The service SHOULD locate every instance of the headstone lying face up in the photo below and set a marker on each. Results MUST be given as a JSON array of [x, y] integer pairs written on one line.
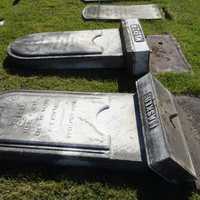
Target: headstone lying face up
[[98, 129], [118, 12], [106, 48], [126, 47]]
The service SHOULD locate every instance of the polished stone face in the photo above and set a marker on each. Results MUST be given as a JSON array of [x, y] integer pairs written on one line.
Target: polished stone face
[[118, 12], [101, 125]]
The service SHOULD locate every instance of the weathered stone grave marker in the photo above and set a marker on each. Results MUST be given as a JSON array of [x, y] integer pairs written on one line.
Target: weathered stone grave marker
[[100, 129], [118, 12], [107, 48]]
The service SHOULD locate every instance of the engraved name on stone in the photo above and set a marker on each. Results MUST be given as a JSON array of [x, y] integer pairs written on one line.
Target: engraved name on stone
[[150, 111], [137, 33]]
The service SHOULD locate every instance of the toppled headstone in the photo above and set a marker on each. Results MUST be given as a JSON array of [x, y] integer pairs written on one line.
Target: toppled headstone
[[106, 48], [118, 130], [119, 12], [125, 48]]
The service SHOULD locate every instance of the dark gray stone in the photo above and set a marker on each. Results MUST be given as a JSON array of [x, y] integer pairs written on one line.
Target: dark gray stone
[[166, 55], [164, 139], [97, 129], [118, 12]]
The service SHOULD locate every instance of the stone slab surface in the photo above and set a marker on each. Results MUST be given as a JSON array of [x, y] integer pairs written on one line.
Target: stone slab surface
[[166, 148], [118, 12], [69, 124], [69, 50], [189, 109], [66, 43], [166, 55]]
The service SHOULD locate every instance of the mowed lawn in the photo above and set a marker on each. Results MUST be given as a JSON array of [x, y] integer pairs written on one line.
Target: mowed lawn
[[46, 182]]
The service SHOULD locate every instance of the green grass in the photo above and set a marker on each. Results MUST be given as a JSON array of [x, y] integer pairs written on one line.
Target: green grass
[[29, 16]]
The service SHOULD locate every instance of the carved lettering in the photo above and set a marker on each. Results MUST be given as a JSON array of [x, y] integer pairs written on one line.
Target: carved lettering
[[150, 111], [137, 33]]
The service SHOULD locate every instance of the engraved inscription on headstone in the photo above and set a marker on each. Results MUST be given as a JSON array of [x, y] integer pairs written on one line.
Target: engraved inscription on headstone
[[107, 130], [162, 130], [118, 12], [106, 48], [46, 119], [137, 33], [81, 124]]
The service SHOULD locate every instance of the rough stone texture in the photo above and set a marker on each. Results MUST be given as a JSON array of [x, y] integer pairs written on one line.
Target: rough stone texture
[[189, 109], [166, 55]]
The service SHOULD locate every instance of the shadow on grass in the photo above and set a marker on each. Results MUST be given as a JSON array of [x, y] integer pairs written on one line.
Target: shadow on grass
[[126, 82], [15, 2], [148, 186]]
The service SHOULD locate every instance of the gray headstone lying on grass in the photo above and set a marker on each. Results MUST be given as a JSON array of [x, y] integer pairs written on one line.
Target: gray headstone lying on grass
[[118, 12], [107, 48], [115, 130]]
